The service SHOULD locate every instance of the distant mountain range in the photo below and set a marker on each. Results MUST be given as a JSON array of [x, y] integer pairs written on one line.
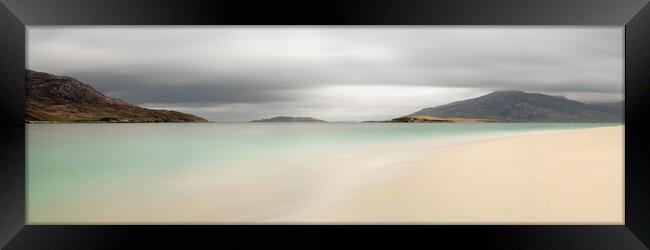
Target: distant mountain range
[[52, 98], [289, 119], [517, 106]]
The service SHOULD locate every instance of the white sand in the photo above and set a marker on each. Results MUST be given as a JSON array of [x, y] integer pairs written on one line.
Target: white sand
[[571, 177], [561, 177]]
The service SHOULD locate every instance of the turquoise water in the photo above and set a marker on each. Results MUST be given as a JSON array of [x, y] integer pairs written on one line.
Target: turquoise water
[[70, 163]]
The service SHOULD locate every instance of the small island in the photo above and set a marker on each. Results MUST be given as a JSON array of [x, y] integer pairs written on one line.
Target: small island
[[289, 119]]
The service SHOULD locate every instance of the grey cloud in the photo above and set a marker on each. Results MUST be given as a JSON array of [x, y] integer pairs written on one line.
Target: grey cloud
[[227, 71], [140, 89]]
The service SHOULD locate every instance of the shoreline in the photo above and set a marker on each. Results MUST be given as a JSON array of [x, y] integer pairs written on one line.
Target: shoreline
[[564, 192], [392, 183]]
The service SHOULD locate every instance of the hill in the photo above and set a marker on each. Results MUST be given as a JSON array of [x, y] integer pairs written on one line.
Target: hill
[[52, 98], [517, 106]]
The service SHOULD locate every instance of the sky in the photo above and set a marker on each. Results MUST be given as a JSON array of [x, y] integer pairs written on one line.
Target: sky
[[231, 74]]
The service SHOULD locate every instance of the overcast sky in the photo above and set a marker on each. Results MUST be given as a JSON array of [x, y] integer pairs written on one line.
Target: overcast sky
[[336, 74]]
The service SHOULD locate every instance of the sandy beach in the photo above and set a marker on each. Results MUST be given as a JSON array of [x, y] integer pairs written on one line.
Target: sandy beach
[[550, 177], [568, 177]]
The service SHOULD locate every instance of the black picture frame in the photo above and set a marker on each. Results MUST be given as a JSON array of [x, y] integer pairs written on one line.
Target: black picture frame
[[633, 14]]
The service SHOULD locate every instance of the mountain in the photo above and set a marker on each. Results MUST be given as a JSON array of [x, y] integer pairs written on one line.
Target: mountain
[[517, 106], [614, 107], [289, 119], [65, 99]]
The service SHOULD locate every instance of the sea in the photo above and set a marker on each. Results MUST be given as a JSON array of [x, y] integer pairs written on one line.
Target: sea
[[140, 173]]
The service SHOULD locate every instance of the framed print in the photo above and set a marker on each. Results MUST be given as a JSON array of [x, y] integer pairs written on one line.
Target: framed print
[[492, 124]]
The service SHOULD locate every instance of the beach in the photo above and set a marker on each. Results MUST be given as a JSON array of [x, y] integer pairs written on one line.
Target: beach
[[557, 176], [567, 177]]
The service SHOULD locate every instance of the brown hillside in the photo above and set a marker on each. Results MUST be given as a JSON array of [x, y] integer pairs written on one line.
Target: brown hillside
[[54, 98]]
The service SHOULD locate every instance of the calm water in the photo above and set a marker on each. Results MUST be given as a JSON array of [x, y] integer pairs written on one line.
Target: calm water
[[69, 164]]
